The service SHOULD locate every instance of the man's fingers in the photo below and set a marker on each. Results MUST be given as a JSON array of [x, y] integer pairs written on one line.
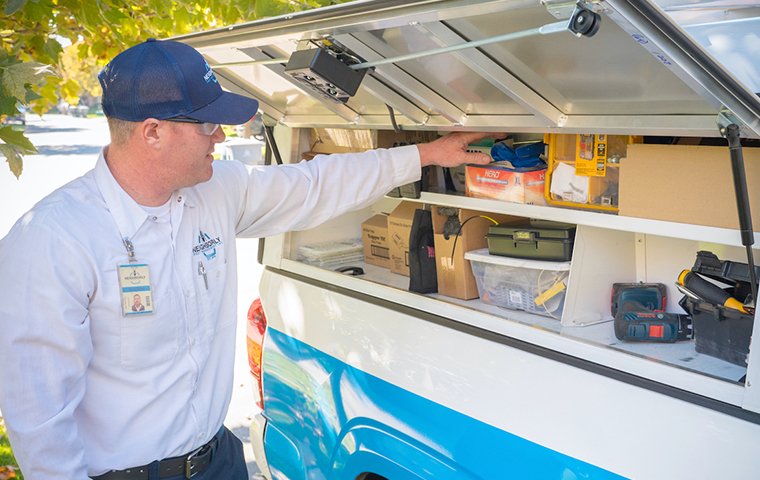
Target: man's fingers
[[450, 150], [477, 157]]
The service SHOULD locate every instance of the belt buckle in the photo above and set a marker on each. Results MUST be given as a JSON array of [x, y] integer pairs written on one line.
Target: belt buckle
[[189, 473]]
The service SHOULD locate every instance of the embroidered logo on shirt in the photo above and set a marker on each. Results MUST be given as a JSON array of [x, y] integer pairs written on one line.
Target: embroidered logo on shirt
[[206, 245]]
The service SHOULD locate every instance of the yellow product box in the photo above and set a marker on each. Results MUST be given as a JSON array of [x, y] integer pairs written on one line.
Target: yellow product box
[[584, 169]]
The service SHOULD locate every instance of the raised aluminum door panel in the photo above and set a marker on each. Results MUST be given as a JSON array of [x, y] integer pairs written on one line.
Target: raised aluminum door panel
[[641, 70]]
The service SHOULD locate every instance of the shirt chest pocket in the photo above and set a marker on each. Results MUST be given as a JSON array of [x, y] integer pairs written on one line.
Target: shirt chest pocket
[[211, 284], [150, 340]]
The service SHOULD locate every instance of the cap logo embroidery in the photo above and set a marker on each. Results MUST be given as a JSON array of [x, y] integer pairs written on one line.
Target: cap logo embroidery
[[209, 76]]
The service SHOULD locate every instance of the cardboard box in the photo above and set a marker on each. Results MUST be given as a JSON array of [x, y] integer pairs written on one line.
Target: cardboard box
[[686, 184], [399, 230], [500, 183], [338, 140], [455, 278], [375, 240]]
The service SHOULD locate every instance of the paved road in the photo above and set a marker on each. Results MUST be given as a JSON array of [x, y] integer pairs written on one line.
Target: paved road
[[68, 147]]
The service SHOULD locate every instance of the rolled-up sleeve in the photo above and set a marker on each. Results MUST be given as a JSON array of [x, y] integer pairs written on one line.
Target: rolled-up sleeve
[[45, 348], [300, 196]]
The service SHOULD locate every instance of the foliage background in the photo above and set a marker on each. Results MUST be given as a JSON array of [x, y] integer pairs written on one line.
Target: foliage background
[[7, 461], [36, 70]]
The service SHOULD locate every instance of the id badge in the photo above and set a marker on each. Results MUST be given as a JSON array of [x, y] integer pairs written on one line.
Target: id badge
[[134, 286]]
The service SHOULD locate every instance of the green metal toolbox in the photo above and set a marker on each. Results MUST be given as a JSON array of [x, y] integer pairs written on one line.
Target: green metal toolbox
[[536, 239]]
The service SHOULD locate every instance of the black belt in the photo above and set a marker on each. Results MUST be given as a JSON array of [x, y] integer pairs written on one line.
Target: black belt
[[188, 465]]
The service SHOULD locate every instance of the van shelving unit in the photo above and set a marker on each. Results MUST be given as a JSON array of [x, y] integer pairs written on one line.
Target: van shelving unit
[[586, 324], [638, 75]]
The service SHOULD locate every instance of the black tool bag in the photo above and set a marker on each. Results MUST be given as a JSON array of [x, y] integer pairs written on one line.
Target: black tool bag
[[719, 331], [422, 274]]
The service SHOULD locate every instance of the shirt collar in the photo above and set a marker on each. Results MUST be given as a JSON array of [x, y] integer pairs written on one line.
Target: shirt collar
[[127, 213], [187, 195]]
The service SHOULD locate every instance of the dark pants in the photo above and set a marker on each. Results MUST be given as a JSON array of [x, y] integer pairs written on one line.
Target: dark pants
[[227, 463]]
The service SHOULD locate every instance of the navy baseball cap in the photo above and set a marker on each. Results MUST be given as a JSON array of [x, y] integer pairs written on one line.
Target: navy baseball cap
[[167, 79]]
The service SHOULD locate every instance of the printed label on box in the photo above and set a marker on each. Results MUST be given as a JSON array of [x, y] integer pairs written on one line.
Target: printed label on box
[[591, 158]]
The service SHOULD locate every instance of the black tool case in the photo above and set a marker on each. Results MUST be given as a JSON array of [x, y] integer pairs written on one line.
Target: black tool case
[[719, 331], [534, 239]]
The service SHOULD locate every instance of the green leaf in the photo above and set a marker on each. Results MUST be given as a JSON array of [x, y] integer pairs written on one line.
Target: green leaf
[[13, 158], [14, 6], [271, 9], [17, 139], [7, 104], [182, 18], [14, 78], [114, 16], [52, 48], [38, 12], [15, 145]]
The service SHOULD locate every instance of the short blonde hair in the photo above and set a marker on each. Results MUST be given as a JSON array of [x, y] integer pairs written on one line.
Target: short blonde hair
[[121, 130]]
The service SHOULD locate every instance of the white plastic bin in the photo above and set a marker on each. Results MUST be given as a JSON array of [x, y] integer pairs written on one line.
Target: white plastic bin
[[515, 283]]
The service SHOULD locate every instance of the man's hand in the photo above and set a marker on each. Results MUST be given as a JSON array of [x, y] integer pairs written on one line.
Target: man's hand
[[451, 150]]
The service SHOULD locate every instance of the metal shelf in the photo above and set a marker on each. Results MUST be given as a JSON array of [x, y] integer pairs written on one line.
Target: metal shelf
[[701, 233]]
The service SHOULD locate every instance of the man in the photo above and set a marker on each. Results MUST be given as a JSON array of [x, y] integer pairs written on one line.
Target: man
[[137, 305], [90, 389]]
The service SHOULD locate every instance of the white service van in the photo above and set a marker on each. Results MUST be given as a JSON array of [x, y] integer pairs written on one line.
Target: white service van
[[362, 379]]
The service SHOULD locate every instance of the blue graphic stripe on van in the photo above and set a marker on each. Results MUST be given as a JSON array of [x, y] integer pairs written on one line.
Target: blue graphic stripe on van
[[330, 420]]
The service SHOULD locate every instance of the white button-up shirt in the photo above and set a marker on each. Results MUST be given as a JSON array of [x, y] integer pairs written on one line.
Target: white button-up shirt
[[85, 389]]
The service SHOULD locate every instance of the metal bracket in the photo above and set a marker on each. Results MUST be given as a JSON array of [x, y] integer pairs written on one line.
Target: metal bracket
[[560, 9], [725, 118], [304, 44], [563, 9]]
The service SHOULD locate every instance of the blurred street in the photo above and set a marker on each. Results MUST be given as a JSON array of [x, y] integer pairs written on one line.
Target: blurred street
[[69, 147]]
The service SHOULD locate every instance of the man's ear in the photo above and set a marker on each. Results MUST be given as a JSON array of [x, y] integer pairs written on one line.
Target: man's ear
[[151, 131]]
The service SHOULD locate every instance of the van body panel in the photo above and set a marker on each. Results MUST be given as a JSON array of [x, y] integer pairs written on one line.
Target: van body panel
[[365, 424], [516, 409]]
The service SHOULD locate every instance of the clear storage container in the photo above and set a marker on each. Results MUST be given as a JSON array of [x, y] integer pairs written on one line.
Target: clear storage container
[[534, 286]]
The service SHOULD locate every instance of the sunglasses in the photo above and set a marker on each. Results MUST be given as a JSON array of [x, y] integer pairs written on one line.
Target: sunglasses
[[205, 128]]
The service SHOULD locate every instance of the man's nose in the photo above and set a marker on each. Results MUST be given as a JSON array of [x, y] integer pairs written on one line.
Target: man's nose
[[219, 135]]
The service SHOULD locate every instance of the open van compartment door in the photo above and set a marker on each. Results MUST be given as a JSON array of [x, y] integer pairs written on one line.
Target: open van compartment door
[[640, 73]]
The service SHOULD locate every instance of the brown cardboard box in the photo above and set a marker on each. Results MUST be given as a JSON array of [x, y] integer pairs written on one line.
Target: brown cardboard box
[[399, 229], [455, 278], [686, 184], [375, 239], [336, 140]]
